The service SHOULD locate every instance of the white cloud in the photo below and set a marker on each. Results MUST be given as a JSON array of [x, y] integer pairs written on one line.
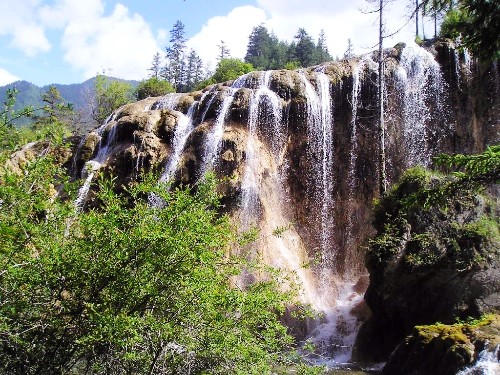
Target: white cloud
[[233, 29], [6, 77], [121, 43], [340, 21], [20, 21]]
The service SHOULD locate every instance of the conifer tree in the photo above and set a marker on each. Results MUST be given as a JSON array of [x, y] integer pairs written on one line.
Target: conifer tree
[[174, 68], [304, 49], [223, 51], [155, 68]]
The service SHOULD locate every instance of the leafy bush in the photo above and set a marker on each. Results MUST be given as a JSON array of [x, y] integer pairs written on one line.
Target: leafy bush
[[153, 87], [129, 288]]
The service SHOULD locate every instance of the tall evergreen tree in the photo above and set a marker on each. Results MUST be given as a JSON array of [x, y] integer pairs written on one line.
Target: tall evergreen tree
[[174, 68], [279, 53], [194, 70], [155, 68], [349, 52], [260, 48], [304, 49], [321, 53], [223, 51]]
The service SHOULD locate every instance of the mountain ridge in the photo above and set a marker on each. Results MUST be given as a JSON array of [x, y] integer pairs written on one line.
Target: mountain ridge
[[77, 94]]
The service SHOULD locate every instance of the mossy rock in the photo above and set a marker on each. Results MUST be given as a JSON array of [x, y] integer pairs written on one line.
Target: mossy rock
[[441, 349]]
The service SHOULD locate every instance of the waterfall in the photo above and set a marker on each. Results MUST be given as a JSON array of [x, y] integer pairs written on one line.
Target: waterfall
[[267, 175], [182, 131], [169, 101], [264, 109], [215, 136], [486, 364], [91, 167], [421, 84], [320, 129]]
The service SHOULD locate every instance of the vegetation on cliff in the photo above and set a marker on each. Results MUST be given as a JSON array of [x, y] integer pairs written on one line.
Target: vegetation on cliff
[[436, 253], [425, 212]]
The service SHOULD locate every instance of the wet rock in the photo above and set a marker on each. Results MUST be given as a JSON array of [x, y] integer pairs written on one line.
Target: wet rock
[[441, 349], [429, 264]]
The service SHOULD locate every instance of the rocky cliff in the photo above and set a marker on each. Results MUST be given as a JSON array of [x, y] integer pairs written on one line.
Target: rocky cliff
[[435, 258], [297, 150]]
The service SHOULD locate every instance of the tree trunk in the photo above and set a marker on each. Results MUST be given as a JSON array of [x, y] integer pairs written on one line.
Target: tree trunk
[[416, 18], [381, 123]]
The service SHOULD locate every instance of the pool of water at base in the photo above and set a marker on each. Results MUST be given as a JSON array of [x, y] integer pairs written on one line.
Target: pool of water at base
[[351, 369]]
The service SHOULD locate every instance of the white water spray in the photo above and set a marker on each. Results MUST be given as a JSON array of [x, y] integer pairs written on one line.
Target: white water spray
[[421, 85], [215, 136]]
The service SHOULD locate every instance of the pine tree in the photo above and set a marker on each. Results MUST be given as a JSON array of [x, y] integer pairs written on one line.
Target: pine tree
[[223, 51], [260, 48], [305, 48], [155, 66], [349, 52], [174, 68], [194, 70], [322, 53]]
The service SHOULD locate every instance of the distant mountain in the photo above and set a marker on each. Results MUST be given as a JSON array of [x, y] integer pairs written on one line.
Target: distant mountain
[[31, 95]]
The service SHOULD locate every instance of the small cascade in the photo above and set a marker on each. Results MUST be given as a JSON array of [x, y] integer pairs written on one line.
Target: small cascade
[[215, 136], [91, 168], [75, 157], [421, 85], [210, 101], [169, 101], [335, 334], [183, 130], [104, 148], [320, 130], [486, 364], [138, 163], [265, 110]]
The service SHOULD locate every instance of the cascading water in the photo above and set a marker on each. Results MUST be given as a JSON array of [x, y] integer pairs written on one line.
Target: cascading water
[[215, 136], [264, 107], [320, 132], [183, 130], [334, 334], [266, 182], [420, 82], [263, 194], [486, 364], [91, 167]]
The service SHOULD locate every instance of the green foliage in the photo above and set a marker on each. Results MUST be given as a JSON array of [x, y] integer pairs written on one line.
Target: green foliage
[[454, 334], [474, 169], [129, 288], [477, 24], [229, 69], [423, 216], [109, 94], [9, 115], [389, 242], [49, 122], [265, 51], [292, 65], [152, 87], [173, 70]]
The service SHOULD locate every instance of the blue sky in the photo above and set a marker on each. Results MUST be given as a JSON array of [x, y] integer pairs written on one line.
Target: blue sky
[[69, 41]]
